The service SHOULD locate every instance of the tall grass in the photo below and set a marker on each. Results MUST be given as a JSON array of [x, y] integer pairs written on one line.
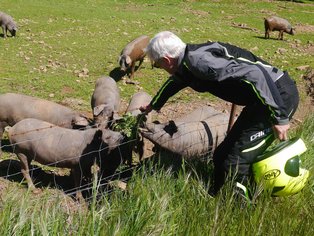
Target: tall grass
[[163, 199]]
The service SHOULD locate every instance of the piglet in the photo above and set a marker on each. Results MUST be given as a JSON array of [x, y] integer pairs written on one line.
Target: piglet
[[43, 142], [275, 23], [137, 101], [105, 101], [133, 52], [7, 24]]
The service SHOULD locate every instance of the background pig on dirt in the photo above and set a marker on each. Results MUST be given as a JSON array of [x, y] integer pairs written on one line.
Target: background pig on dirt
[[194, 135], [133, 52], [105, 101], [15, 107], [7, 24], [275, 23], [52, 145], [138, 100]]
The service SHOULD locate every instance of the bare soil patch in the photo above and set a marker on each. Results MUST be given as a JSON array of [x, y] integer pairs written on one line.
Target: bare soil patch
[[300, 28]]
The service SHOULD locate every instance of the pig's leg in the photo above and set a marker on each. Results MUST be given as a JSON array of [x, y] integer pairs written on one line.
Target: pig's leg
[[1, 134], [4, 29], [139, 149], [77, 176], [25, 171], [139, 65], [132, 70], [267, 34], [3, 124]]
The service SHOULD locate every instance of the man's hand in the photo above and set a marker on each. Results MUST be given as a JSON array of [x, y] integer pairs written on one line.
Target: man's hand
[[281, 131], [146, 109]]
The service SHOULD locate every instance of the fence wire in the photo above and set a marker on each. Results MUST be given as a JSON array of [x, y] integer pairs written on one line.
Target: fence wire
[[102, 182]]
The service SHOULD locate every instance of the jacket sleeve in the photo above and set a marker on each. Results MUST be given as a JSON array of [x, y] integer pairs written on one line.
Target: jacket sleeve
[[168, 89], [268, 93]]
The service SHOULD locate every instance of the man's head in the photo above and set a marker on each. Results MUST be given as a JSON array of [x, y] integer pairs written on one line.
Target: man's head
[[164, 49]]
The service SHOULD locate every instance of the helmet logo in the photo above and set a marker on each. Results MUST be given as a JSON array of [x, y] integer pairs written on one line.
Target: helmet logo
[[272, 174]]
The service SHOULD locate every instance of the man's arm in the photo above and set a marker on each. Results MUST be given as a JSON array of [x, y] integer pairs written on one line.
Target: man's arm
[[168, 89]]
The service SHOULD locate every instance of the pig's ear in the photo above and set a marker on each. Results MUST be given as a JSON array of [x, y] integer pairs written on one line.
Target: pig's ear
[[128, 60], [81, 120], [98, 109]]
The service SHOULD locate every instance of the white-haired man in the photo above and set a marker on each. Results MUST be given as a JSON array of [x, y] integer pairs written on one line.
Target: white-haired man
[[269, 96]]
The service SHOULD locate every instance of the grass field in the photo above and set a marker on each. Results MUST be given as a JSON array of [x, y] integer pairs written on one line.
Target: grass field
[[59, 39]]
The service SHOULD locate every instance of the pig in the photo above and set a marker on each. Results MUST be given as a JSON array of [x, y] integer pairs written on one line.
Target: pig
[[105, 101], [15, 107], [275, 23], [47, 144], [195, 135], [133, 52], [138, 100], [7, 23], [199, 114]]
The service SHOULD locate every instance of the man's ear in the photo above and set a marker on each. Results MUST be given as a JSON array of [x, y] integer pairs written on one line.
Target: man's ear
[[166, 60], [169, 61]]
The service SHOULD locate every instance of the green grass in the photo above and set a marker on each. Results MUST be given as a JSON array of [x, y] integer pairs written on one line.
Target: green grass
[[56, 38], [77, 34]]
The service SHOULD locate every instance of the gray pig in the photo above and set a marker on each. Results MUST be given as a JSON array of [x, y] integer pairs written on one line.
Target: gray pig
[[275, 23], [105, 101], [138, 100], [199, 114], [7, 23], [15, 107], [190, 137], [36, 140], [133, 52]]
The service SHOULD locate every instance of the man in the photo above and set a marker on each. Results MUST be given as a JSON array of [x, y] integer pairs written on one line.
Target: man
[[269, 96]]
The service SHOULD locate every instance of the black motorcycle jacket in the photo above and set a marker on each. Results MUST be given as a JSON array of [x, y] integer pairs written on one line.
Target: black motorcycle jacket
[[228, 72]]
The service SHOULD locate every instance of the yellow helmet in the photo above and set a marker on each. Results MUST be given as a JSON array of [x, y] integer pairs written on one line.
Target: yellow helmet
[[279, 169]]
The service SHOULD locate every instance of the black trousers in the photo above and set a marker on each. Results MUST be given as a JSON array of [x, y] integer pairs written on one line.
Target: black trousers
[[250, 136]]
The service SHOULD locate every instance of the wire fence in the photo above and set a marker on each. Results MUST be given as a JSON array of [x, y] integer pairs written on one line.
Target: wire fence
[[42, 134]]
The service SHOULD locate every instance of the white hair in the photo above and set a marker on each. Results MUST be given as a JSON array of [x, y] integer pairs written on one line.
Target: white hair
[[165, 44]]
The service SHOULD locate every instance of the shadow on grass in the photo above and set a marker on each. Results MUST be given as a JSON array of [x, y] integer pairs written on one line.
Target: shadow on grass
[[200, 168], [8, 36], [6, 146], [270, 38], [11, 170], [117, 74]]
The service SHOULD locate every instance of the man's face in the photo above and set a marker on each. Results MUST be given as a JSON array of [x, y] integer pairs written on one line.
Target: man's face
[[167, 63]]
